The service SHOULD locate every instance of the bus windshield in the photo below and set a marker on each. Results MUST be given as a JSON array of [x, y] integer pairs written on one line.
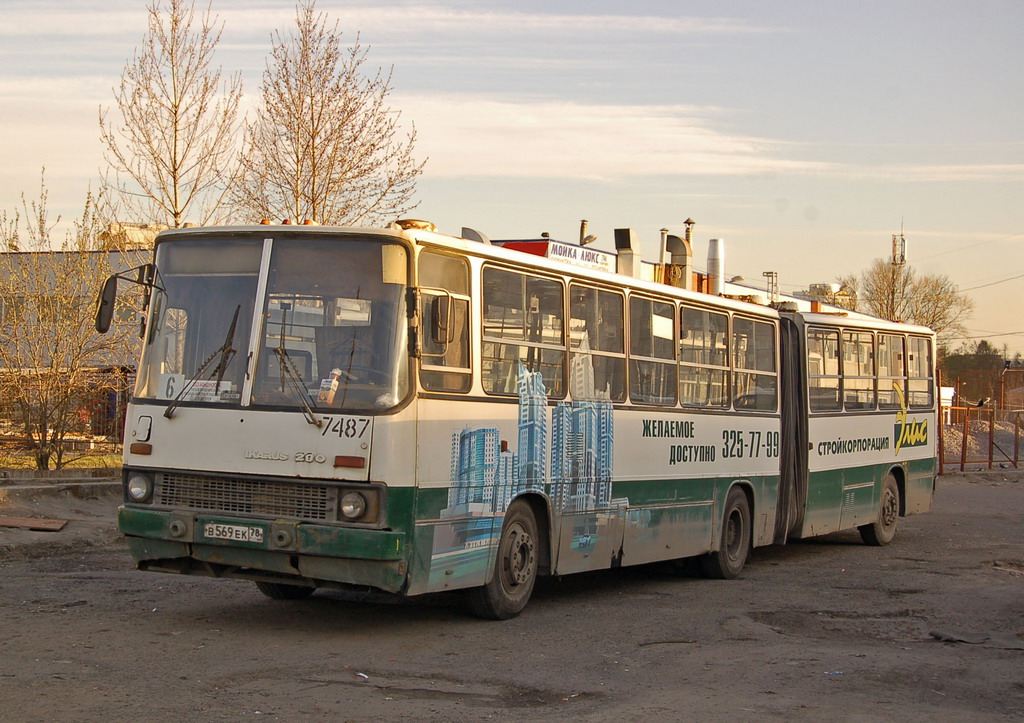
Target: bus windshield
[[331, 330], [334, 326]]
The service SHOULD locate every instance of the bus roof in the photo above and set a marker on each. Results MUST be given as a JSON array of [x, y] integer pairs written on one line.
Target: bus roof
[[527, 253], [514, 255], [860, 321], [519, 257]]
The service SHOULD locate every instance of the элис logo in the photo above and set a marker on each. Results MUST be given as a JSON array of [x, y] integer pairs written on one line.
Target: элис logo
[[907, 432]]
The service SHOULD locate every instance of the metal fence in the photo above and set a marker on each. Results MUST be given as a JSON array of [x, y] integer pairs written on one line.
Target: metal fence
[[94, 428], [997, 388], [978, 438], [984, 426]]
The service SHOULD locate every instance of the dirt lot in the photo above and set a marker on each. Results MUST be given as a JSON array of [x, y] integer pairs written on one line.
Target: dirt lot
[[829, 629]]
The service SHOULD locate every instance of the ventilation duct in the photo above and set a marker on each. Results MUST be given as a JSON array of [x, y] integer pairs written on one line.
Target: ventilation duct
[[628, 261]]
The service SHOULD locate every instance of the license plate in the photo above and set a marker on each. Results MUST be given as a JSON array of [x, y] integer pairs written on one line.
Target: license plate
[[237, 533]]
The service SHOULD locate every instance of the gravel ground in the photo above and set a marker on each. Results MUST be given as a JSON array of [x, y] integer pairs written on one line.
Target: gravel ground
[[929, 628]]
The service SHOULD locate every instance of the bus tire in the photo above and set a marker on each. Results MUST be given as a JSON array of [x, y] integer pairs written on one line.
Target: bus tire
[[882, 531], [515, 570], [281, 591], [728, 560]]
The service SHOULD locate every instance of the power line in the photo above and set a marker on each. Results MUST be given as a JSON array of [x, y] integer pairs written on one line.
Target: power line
[[986, 336], [970, 246], [943, 253], [993, 283]]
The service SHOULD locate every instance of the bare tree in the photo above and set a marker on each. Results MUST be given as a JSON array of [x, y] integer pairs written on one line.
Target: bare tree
[[324, 145], [938, 303], [57, 374], [173, 150], [897, 292], [885, 290]]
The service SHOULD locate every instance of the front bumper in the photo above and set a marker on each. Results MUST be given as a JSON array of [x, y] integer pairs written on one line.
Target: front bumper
[[286, 551]]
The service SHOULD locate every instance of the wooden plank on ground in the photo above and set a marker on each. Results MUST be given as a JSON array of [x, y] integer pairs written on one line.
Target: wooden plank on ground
[[40, 524]]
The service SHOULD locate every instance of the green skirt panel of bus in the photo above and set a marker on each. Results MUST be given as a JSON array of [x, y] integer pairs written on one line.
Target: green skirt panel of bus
[[845, 498], [455, 545]]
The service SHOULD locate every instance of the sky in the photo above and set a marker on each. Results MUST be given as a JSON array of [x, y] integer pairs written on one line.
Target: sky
[[804, 134]]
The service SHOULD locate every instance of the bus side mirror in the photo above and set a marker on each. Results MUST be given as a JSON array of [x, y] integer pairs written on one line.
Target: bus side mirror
[[105, 304], [441, 330]]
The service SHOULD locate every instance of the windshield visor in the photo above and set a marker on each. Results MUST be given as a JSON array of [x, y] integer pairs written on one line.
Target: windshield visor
[[197, 338], [333, 334]]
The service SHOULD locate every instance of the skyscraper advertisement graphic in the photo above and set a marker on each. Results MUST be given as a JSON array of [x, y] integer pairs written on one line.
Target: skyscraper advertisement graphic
[[575, 471], [533, 430]]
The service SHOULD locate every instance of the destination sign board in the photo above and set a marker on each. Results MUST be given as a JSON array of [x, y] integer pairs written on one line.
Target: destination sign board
[[569, 253]]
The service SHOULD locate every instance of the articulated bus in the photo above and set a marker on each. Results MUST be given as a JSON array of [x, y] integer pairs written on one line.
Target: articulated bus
[[411, 412]]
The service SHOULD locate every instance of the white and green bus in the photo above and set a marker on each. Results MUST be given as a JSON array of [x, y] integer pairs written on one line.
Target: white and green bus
[[412, 412]]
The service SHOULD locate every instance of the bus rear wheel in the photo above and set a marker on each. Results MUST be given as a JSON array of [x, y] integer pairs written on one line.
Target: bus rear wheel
[[728, 560], [281, 591], [515, 570], [883, 530]]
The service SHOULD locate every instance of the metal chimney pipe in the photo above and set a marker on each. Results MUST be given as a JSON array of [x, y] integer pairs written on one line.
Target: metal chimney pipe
[[716, 265]]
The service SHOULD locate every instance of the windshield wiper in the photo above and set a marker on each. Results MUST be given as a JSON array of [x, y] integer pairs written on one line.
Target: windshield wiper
[[294, 384], [290, 376], [223, 356]]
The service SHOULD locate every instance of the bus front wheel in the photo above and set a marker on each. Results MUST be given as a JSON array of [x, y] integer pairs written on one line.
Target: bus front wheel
[[728, 560], [515, 570], [883, 530], [280, 591]]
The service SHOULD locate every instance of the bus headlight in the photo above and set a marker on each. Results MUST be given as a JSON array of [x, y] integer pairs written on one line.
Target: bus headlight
[[139, 487], [353, 505]]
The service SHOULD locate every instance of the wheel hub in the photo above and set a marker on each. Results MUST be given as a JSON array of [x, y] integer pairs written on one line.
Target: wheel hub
[[518, 562], [889, 511], [732, 534]]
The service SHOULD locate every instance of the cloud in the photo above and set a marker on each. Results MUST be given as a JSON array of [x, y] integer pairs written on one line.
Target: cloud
[[71, 19], [469, 136], [54, 91], [430, 19], [950, 173], [397, 21], [50, 122]]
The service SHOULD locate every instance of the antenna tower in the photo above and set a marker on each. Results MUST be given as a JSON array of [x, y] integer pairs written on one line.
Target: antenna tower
[[772, 285], [899, 248]]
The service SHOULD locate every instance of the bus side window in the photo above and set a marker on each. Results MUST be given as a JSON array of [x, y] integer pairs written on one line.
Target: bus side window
[[858, 370], [523, 325], [444, 362], [652, 364], [823, 370], [891, 370], [920, 384], [597, 365], [703, 358], [755, 381]]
